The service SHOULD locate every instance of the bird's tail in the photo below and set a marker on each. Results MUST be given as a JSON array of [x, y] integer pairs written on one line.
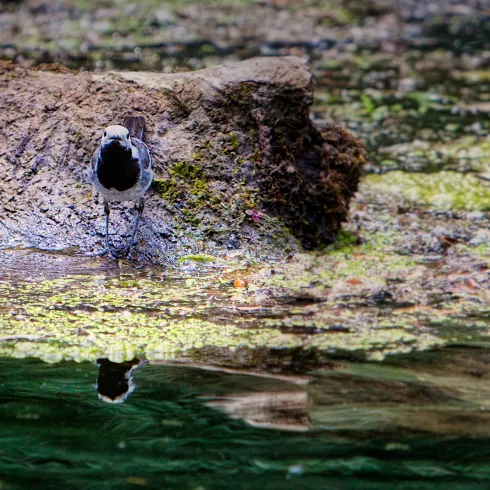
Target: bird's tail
[[136, 126]]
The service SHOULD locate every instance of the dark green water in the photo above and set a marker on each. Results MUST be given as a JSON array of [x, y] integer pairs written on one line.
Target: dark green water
[[385, 427]]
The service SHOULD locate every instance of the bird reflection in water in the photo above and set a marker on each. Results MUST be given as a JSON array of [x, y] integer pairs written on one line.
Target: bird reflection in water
[[115, 380]]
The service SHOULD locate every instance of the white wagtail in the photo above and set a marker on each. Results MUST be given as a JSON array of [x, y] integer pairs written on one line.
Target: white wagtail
[[121, 170]]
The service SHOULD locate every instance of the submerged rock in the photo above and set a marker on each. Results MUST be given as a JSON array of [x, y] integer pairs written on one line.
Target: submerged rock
[[234, 149]]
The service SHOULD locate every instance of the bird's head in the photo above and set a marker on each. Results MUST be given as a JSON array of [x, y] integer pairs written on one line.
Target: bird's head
[[116, 134]]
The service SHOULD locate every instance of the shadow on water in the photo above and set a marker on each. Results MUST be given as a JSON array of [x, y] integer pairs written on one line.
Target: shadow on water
[[410, 423]]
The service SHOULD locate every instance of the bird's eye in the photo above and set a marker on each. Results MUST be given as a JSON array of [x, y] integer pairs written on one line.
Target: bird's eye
[[105, 133]]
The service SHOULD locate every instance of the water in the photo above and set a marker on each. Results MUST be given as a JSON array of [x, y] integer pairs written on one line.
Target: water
[[172, 390], [406, 425]]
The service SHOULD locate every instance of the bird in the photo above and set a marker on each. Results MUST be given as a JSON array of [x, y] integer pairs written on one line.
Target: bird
[[121, 170]]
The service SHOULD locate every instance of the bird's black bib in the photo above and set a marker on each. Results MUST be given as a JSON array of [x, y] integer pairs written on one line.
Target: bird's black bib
[[116, 169]]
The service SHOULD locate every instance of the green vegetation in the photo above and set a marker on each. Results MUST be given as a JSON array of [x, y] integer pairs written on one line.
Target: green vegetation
[[447, 190], [198, 258]]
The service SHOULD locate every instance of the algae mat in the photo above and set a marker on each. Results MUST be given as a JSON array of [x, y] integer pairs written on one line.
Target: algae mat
[[208, 314], [370, 299]]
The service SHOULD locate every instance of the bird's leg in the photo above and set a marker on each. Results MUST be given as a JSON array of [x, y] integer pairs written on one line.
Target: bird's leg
[[140, 205], [108, 249], [107, 212]]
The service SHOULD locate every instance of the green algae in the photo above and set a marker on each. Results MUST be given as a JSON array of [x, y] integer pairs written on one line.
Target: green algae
[[374, 261], [373, 286], [185, 170], [198, 258], [360, 296], [83, 318], [168, 189], [445, 189], [234, 141], [187, 181]]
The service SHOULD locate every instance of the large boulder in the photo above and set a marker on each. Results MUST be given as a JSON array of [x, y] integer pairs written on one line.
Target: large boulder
[[238, 162]]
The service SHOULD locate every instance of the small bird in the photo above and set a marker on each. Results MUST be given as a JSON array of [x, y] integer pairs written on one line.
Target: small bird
[[121, 170]]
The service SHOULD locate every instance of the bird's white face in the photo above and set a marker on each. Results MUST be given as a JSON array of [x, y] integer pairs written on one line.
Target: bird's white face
[[116, 133]]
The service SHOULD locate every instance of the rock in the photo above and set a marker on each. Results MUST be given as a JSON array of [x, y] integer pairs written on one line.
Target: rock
[[481, 237], [235, 153]]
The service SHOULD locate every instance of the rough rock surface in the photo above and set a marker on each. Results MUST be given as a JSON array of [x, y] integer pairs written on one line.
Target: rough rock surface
[[238, 161]]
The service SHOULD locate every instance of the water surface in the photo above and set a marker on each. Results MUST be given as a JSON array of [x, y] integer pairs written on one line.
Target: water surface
[[410, 424]]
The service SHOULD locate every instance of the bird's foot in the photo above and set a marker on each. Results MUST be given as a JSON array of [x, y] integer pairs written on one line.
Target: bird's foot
[[122, 251], [115, 252]]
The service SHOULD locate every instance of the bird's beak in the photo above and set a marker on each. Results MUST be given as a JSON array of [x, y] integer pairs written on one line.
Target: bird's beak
[[115, 139]]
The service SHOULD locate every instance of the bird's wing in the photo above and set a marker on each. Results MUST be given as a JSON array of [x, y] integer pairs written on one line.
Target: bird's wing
[[95, 157], [144, 153], [136, 126]]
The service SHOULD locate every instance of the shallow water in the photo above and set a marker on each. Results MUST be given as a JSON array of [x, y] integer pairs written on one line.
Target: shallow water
[[184, 381], [409, 424]]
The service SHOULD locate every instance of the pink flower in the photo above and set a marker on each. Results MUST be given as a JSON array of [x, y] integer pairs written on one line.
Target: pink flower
[[254, 214]]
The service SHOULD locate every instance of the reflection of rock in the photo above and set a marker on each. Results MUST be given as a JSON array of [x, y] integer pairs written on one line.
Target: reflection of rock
[[286, 411], [115, 382]]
